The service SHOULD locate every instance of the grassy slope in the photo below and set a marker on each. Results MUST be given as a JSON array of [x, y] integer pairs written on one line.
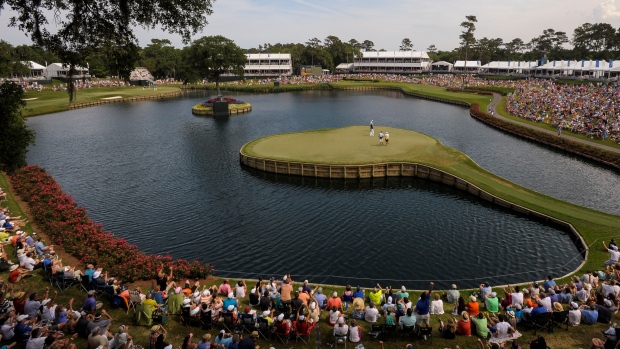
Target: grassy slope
[[49, 101]]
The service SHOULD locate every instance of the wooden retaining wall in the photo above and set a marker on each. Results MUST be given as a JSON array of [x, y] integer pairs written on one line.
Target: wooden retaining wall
[[128, 99], [407, 169], [230, 111]]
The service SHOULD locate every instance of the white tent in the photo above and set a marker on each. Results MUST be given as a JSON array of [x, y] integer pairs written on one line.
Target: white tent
[[470, 66], [442, 66], [61, 70]]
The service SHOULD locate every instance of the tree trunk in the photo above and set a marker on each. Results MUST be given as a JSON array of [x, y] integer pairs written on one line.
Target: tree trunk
[[217, 87], [70, 84]]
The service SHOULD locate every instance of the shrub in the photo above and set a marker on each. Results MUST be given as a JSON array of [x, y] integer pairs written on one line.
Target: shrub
[[69, 226]]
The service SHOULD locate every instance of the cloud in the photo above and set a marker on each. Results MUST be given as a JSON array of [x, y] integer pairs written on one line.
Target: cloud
[[606, 10]]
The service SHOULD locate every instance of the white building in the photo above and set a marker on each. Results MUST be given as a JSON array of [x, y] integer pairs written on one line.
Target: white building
[[509, 67], [37, 71], [268, 64], [344, 68], [442, 67], [467, 66], [61, 71], [392, 62]]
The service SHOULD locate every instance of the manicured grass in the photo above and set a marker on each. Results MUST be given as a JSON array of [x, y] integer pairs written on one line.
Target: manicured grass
[[48, 101], [352, 145]]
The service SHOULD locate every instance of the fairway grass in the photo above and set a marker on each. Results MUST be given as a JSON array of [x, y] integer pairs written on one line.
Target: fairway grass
[[48, 101], [353, 146]]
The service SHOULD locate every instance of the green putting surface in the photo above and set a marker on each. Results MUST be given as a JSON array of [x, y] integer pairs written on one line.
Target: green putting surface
[[351, 145]]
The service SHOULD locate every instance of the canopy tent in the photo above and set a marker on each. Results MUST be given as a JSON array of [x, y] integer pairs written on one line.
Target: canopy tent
[[470, 66], [442, 66]]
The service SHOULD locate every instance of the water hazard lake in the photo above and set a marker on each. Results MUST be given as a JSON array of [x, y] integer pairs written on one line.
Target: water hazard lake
[[170, 182]]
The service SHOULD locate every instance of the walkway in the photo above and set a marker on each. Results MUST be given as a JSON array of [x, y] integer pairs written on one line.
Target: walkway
[[497, 98]]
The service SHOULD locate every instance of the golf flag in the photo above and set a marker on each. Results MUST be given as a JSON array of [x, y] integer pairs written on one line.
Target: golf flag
[[519, 64]]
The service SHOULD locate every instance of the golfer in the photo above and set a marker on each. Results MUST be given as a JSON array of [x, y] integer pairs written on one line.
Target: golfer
[[380, 137], [372, 129]]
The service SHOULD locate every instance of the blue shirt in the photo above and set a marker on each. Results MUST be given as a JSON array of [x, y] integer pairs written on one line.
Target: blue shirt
[[204, 345], [230, 301], [423, 306], [224, 340], [61, 318], [90, 304], [39, 246], [357, 294], [89, 273], [538, 310], [22, 331], [548, 284], [320, 298], [589, 316], [157, 297]]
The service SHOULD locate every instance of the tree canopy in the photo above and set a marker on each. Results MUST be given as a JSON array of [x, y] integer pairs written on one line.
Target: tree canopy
[[15, 134], [213, 56]]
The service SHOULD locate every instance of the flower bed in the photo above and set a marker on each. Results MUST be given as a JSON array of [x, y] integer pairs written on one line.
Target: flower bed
[[69, 226]]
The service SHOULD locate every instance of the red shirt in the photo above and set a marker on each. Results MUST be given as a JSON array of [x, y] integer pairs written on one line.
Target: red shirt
[[14, 275], [464, 328]]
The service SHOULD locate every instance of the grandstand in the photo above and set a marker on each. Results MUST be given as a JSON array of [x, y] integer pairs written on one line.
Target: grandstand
[[60, 71], [509, 67], [392, 62], [141, 77], [268, 65], [467, 66]]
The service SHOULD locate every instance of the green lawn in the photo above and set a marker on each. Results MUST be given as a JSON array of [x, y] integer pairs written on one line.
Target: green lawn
[[49, 101]]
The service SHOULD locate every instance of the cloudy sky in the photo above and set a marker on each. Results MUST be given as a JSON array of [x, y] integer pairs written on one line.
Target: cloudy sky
[[253, 22]]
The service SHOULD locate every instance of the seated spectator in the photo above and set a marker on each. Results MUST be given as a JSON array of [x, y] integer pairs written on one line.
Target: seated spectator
[[390, 318], [549, 284], [565, 297], [22, 328], [334, 314], [254, 297], [283, 326], [97, 321], [358, 308], [149, 301], [359, 293], [341, 329], [472, 306], [335, 301], [319, 297], [448, 331], [90, 303], [240, 289], [453, 295], [224, 288], [347, 297], [481, 324], [157, 295], [355, 332], [464, 325], [303, 324], [223, 339], [402, 293], [437, 305], [42, 249], [17, 274], [376, 295], [604, 313], [388, 304], [504, 330], [408, 320], [545, 301], [589, 313], [461, 306], [306, 288], [492, 302], [372, 313], [230, 300], [96, 339], [485, 289], [30, 263], [33, 304], [314, 312]]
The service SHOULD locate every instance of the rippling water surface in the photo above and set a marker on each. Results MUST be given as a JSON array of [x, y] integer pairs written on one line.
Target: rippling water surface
[[170, 182]]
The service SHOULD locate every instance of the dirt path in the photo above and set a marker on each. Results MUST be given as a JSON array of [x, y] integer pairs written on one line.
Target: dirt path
[[497, 98]]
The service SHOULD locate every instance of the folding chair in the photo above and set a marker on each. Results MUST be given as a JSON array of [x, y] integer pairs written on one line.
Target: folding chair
[[389, 330], [426, 333], [283, 332], [247, 323], [85, 284], [206, 320], [230, 325], [264, 329], [117, 302], [407, 331], [187, 319], [341, 339], [560, 319], [302, 331], [539, 322], [376, 331], [134, 299], [144, 315], [174, 303]]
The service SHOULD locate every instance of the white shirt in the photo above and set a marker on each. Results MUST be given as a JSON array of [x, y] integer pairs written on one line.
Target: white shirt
[[341, 331], [574, 317], [239, 292], [547, 303], [371, 314], [437, 307], [517, 298], [36, 343], [614, 254], [502, 329], [354, 334], [29, 263]]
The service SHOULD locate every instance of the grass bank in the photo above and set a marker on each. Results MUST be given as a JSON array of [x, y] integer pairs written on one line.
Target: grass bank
[[48, 101]]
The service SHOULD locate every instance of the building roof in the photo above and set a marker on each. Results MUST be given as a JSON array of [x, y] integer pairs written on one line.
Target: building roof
[[442, 63], [470, 64], [345, 66], [505, 65], [64, 66], [33, 65], [268, 55], [394, 54]]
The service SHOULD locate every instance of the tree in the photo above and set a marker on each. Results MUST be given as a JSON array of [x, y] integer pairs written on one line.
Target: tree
[[431, 49], [467, 35], [161, 58], [17, 136], [77, 28], [214, 56], [406, 45], [367, 45], [9, 61], [594, 37]]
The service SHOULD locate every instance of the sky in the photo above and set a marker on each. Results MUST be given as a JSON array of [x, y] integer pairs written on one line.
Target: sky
[[250, 23]]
